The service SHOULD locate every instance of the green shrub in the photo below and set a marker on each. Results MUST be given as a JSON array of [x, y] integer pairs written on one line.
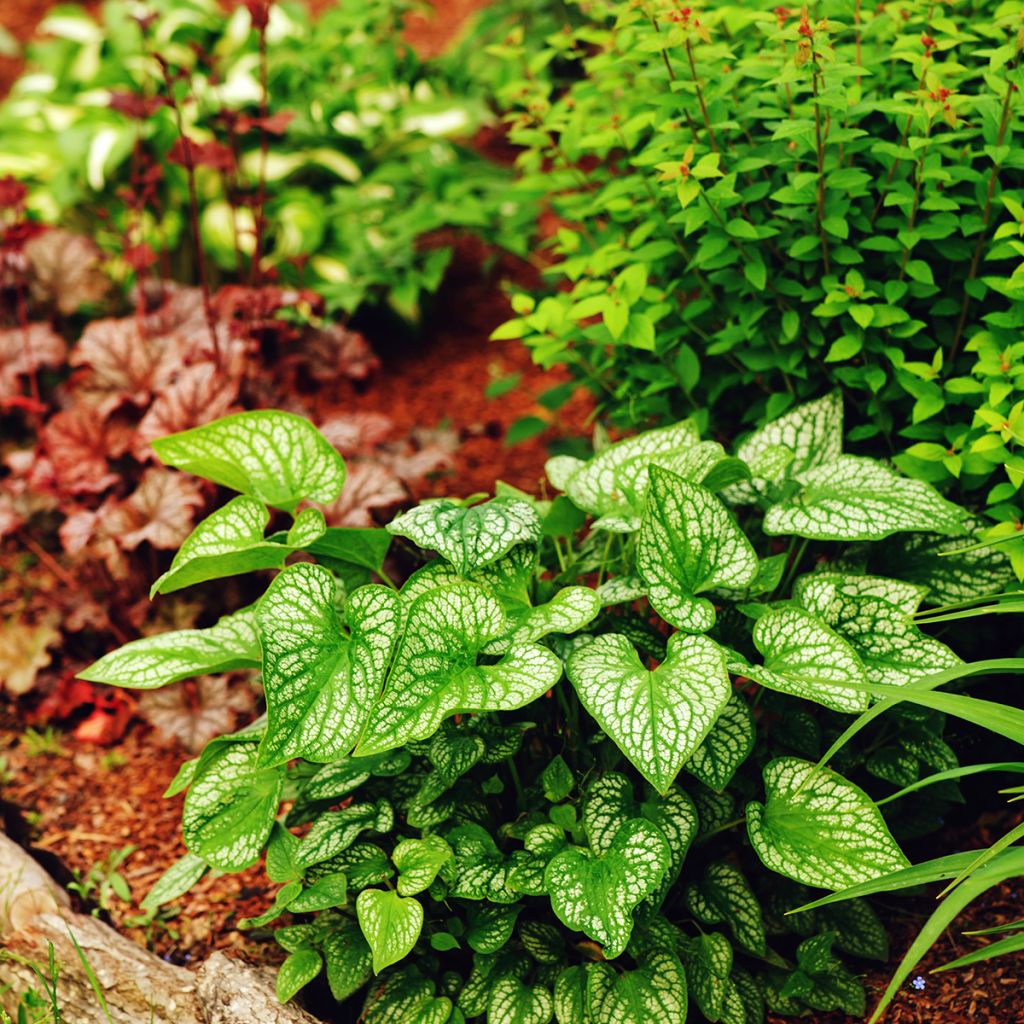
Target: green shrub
[[757, 206], [346, 189], [490, 840]]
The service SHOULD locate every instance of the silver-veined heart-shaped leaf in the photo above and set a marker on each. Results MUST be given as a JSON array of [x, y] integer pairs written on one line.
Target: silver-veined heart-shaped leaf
[[175, 881], [805, 437], [513, 1002], [472, 536], [321, 682], [297, 971], [335, 831], [724, 896], [726, 747], [597, 894], [490, 927], [348, 959], [856, 498], [567, 612], [570, 996], [708, 960], [404, 997], [435, 674], [230, 541], [893, 650], [277, 457], [610, 803], [508, 579], [231, 805], [653, 993], [612, 486], [689, 543], [390, 923], [820, 829], [418, 862], [163, 658], [657, 719], [806, 659], [326, 892]]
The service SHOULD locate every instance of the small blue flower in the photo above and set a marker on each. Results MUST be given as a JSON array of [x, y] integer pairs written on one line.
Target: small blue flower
[[918, 983]]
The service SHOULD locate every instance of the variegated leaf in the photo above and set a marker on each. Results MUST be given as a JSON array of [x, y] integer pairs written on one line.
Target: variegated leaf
[[653, 993], [805, 437], [723, 896], [726, 747], [568, 612], [390, 923], [820, 829], [277, 457], [230, 541], [490, 927], [659, 718], [404, 997], [435, 674], [893, 650], [175, 881], [348, 959], [473, 536], [597, 894], [326, 892], [513, 1002], [335, 831], [570, 1002], [621, 590], [297, 971], [163, 658], [708, 961], [855, 498], [418, 862], [689, 543], [320, 683], [231, 805], [806, 659]]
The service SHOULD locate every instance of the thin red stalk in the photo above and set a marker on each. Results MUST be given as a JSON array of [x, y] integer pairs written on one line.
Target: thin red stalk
[[256, 271]]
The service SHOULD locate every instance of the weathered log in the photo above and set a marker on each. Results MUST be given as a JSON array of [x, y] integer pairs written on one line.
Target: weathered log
[[138, 987]]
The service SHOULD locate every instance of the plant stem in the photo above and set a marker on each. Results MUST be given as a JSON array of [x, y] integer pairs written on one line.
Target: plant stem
[[700, 97]]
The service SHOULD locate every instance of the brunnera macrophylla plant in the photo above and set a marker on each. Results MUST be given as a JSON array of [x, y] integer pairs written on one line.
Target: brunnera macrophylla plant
[[567, 769], [758, 203]]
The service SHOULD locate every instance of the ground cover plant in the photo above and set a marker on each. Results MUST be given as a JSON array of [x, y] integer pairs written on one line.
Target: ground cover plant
[[756, 203], [317, 151], [569, 768]]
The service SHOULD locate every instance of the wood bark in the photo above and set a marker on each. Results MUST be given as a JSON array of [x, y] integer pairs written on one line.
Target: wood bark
[[138, 987]]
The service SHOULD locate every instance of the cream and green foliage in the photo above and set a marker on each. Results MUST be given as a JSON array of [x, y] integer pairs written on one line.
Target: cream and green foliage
[[490, 784]]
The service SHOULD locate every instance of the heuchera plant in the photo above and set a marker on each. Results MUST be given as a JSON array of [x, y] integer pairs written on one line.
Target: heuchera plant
[[567, 769], [755, 204]]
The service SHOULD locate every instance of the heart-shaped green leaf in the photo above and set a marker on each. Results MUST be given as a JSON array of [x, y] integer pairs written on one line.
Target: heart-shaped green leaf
[[404, 997], [657, 719], [568, 612], [473, 536], [893, 650], [348, 959], [512, 1002], [799, 440], [418, 862], [855, 498], [689, 543], [820, 829], [230, 541], [654, 992], [597, 894], [390, 923], [231, 805], [163, 658], [490, 927], [570, 996], [297, 971], [612, 486], [726, 747], [723, 896], [708, 960], [335, 831], [324, 893], [175, 881], [435, 674], [276, 457], [805, 658], [320, 683]]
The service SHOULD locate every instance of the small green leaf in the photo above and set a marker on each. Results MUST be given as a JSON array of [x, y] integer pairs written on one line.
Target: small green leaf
[[653, 993], [557, 780], [725, 747], [512, 1002], [659, 718], [435, 674], [596, 894], [321, 683], [324, 893], [175, 881], [231, 805], [490, 927], [335, 831], [723, 896], [297, 971], [819, 829], [348, 959], [806, 659], [469, 537], [708, 962], [163, 658], [390, 924], [689, 543], [418, 862], [276, 457]]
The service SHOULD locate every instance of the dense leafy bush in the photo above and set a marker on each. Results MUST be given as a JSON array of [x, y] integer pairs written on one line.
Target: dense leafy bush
[[488, 839], [757, 205], [321, 147]]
